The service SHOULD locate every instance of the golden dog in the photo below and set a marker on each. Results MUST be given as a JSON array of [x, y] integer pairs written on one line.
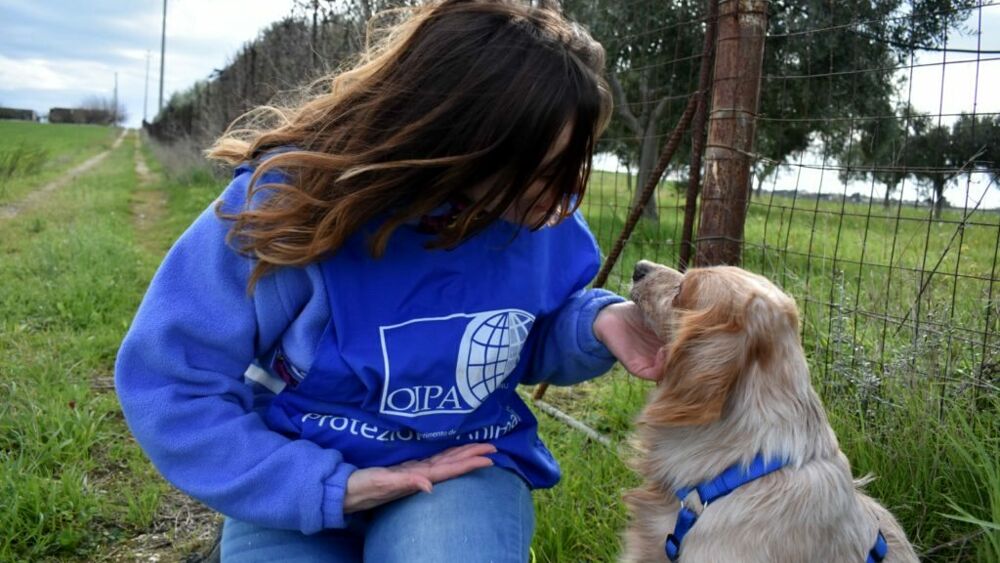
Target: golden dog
[[736, 392]]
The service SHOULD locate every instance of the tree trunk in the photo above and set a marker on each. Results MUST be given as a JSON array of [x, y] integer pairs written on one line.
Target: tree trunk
[[643, 127], [938, 197], [647, 162]]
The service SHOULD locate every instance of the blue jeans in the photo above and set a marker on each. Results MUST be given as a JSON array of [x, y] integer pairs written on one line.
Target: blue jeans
[[483, 516]]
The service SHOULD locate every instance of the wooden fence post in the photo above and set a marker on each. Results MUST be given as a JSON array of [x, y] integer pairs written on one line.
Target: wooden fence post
[[735, 94]]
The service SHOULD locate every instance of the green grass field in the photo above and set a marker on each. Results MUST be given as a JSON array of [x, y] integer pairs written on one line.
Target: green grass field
[[32, 154], [75, 487]]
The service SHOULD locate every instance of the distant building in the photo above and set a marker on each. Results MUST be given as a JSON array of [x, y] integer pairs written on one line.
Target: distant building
[[19, 114], [80, 115]]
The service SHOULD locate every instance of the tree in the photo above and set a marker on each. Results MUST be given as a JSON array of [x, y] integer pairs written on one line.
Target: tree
[[939, 154], [827, 85], [908, 144], [879, 148], [106, 108], [934, 161], [355, 12], [650, 69], [977, 139], [822, 60]]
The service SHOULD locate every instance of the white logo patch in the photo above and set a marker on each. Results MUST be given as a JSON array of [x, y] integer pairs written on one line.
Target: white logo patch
[[491, 347], [416, 356]]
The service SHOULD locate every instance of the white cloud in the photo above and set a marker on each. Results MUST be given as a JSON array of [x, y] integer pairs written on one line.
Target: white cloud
[[968, 85], [61, 54], [49, 74]]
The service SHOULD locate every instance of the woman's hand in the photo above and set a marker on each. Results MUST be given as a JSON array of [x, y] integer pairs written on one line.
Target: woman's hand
[[621, 328], [370, 487]]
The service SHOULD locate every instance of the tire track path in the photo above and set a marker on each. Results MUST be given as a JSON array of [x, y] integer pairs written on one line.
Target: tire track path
[[12, 210]]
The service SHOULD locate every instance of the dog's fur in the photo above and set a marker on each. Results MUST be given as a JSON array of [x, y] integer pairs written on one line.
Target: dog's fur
[[736, 384]]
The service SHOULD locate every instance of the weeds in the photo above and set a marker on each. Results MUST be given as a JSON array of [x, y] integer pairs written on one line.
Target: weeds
[[19, 161]]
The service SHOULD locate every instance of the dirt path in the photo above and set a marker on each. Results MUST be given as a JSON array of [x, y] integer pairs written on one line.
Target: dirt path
[[12, 210], [149, 205], [183, 530]]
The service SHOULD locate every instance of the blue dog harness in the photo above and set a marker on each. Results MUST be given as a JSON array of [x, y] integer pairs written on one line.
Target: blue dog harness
[[726, 482]]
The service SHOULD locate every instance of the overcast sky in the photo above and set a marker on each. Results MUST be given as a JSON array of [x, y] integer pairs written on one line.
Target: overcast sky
[[59, 52]]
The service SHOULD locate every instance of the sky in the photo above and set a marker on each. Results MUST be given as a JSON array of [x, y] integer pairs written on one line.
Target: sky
[[61, 52]]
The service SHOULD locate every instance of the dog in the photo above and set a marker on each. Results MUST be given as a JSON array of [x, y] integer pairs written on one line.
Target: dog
[[735, 398]]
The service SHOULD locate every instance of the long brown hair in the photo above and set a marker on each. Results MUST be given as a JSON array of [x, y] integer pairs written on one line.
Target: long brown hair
[[463, 92]]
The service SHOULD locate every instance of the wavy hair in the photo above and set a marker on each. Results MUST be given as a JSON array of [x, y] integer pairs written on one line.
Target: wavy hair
[[462, 93]]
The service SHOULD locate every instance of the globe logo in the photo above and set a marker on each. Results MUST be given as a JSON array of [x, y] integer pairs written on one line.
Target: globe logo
[[490, 349]]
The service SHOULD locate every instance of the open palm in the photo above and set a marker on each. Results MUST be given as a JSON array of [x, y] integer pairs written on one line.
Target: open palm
[[372, 486], [621, 328]]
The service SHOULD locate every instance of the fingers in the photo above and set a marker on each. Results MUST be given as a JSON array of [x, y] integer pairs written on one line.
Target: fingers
[[419, 482], [442, 471], [452, 462], [459, 452], [373, 486]]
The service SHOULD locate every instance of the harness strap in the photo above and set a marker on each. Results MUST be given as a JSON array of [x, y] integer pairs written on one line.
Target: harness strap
[[728, 481], [879, 550]]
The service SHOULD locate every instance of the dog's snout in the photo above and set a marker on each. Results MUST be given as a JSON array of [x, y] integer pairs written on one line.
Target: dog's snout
[[641, 269]]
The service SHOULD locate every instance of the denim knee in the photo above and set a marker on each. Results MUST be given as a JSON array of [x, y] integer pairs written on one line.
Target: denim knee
[[243, 542], [484, 516]]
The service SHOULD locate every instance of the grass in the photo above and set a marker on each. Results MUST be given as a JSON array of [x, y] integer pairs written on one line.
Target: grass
[[32, 154], [67, 463], [20, 161], [73, 481], [75, 487]]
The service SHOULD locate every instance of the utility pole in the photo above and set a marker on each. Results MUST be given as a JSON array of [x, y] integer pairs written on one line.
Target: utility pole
[[145, 91], [163, 50], [114, 103]]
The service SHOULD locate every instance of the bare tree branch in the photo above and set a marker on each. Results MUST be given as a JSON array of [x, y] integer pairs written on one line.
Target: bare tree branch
[[622, 105], [659, 110]]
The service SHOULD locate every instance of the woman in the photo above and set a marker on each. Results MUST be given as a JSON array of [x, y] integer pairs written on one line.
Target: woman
[[391, 259]]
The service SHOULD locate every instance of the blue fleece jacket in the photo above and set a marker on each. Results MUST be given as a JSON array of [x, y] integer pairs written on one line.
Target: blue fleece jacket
[[226, 395]]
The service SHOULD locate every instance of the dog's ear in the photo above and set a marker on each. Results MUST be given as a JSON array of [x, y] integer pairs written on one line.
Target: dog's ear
[[712, 349]]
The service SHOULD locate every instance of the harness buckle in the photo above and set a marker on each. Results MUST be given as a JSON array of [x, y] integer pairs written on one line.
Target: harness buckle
[[698, 507]]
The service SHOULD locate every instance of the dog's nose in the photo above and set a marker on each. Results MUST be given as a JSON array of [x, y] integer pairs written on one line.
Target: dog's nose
[[641, 269]]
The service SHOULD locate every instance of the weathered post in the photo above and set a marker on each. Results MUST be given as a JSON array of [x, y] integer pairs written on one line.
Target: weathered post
[[698, 134], [735, 94]]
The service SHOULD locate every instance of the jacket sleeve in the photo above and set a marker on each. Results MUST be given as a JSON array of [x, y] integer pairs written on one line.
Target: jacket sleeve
[[179, 377], [567, 351]]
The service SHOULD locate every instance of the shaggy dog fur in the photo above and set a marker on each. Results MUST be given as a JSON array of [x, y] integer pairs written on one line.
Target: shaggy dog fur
[[735, 385]]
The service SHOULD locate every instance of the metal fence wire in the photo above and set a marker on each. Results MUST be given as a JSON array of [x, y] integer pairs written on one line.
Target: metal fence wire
[[871, 195]]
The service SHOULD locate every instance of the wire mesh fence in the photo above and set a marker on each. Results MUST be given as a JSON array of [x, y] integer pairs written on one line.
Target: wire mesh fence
[[894, 278], [873, 199]]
